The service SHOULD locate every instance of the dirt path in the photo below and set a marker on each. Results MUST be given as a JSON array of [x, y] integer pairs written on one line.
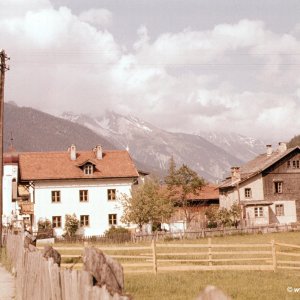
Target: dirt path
[[7, 285]]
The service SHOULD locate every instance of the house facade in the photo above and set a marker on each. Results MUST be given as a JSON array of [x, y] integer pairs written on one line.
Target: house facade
[[267, 188], [89, 184], [10, 181]]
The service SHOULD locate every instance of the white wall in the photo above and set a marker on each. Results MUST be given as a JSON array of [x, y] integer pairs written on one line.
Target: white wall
[[228, 198], [97, 207], [289, 207], [256, 186], [10, 172], [252, 220]]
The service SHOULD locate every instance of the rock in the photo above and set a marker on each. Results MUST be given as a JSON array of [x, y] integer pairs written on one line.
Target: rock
[[51, 252], [105, 270], [212, 293], [29, 239]]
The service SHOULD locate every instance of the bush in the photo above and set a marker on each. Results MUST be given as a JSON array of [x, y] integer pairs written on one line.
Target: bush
[[44, 224], [118, 234], [71, 225]]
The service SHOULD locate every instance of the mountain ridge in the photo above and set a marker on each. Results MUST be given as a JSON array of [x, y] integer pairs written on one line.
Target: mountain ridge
[[158, 145]]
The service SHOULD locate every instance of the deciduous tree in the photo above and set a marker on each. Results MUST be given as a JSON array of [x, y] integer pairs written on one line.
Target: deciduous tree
[[148, 203], [181, 183]]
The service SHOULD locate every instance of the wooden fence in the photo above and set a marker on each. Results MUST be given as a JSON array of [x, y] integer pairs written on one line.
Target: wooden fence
[[162, 257], [39, 279], [214, 232]]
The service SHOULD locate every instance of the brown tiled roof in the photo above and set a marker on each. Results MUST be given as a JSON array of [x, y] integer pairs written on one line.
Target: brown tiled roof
[[207, 192], [58, 165], [258, 165]]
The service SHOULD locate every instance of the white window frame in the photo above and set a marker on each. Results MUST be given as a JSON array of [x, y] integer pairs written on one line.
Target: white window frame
[[248, 193], [55, 196], [111, 194], [279, 210], [278, 187], [84, 220], [112, 219], [83, 195], [88, 169], [259, 212], [56, 221]]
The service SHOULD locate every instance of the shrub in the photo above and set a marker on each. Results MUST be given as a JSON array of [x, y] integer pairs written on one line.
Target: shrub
[[118, 234], [71, 225], [44, 224]]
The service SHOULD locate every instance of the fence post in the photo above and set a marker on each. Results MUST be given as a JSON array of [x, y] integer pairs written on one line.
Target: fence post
[[154, 255], [209, 252], [274, 255]]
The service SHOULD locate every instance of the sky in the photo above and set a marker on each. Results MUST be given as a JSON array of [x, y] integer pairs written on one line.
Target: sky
[[188, 66]]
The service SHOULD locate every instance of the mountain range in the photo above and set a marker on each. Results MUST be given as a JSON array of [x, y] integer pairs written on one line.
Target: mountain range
[[209, 154]]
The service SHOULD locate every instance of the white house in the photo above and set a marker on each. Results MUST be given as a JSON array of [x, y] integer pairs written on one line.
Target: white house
[[10, 181], [87, 183], [267, 188]]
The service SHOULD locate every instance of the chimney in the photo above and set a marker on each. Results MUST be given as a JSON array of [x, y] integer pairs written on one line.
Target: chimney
[[73, 152], [99, 153], [269, 150], [282, 147], [235, 174]]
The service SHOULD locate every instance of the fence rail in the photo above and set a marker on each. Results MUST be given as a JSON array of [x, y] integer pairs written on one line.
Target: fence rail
[[159, 256]]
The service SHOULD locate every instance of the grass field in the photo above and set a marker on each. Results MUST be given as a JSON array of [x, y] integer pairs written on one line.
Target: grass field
[[236, 284]]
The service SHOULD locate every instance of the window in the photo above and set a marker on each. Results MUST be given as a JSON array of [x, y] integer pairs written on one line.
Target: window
[[83, 195], [258, 212], [84, 220], [296, 164], [111, 194], [88, 169], [56, 221], [248, 193], [279, 210], [278, 187], [112, 219], [55, 196], [289, 164]]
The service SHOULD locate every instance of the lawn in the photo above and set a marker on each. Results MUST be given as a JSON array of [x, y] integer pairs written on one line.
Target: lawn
[[236, 284]]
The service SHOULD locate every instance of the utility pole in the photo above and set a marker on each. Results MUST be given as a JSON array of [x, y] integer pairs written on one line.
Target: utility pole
[[3, 69]]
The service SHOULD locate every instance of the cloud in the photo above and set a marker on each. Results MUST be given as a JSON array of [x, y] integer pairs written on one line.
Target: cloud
[[236, 77], [97, 17]]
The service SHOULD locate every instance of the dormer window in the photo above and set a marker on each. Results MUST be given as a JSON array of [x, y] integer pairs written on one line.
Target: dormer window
[[88, 169]]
